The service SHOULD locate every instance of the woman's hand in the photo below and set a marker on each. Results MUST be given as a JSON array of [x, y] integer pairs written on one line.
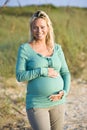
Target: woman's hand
[[56, 97], [52, 73]]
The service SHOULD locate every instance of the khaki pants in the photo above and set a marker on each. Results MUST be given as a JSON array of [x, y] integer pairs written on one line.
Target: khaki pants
[[46, 118]]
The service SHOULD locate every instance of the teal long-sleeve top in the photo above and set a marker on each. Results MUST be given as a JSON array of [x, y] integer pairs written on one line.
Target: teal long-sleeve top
[[33, 67]]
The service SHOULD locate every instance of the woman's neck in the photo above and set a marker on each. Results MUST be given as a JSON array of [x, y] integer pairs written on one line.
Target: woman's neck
[[40, 42]]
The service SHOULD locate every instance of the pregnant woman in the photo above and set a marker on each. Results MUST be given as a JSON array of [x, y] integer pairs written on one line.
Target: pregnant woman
[[41, 62]]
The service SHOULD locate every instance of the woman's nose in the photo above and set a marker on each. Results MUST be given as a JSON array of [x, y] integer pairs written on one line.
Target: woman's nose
[[39, 30]]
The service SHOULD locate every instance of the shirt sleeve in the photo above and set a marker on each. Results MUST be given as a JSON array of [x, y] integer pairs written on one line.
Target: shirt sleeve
[[64, 72], [26, 75]]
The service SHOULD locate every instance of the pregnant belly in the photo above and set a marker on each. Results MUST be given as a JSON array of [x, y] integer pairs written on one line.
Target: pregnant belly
[[45, 86]]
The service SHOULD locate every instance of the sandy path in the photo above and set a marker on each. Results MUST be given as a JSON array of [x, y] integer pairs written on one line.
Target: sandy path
[[75, 114], [76, 108]]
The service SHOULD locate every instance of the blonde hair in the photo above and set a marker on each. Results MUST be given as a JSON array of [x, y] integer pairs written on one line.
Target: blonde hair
[[50, 34]]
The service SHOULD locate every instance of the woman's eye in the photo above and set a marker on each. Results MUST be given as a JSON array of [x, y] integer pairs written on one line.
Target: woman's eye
[[34, 27], [42, 27], [37, 28]]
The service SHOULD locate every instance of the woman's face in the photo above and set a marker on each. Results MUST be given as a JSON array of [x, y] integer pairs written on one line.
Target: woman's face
[[39, 29]]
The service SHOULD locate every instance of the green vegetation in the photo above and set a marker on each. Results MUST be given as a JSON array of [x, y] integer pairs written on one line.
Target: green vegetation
[[70, 27]]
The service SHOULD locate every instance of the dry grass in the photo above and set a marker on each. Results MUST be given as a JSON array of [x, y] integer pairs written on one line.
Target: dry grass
[[12, 105]]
